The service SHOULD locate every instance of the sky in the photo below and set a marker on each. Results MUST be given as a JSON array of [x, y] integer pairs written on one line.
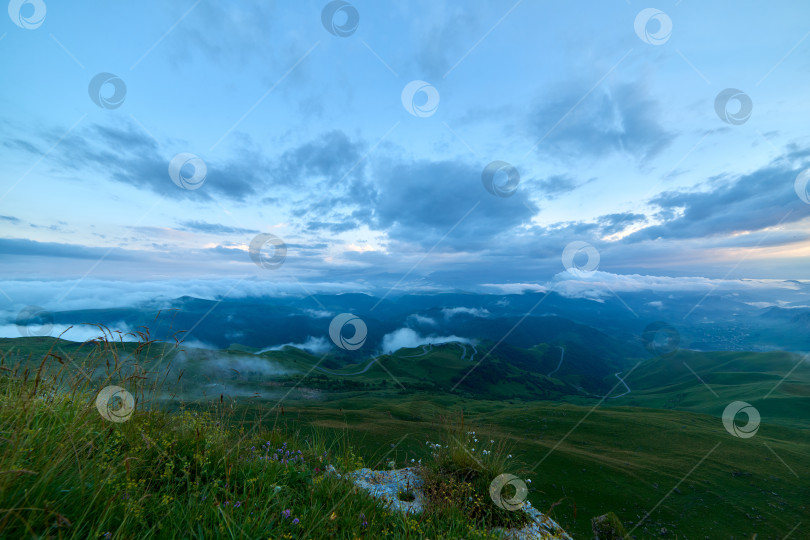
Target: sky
[[425, 145]]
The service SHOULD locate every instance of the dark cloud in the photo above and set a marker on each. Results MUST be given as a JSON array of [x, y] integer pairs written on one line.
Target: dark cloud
[[622, 118], [126, 154], [614, 223], [443, 43], [558, 184], [19, 144], [332, 156], [424, 202], [751, 202], [214, 228], [31, 248], [337, 227]]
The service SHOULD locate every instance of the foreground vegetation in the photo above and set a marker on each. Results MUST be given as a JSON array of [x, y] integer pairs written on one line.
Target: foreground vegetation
[[658, 457], [203, 471]]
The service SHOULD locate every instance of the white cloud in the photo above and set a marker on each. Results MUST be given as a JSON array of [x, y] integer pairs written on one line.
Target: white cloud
[[421, 319], [318, 313], [78, 332], [475, 312], [314, 345], [408, 338], [66, 295], [212, 363]]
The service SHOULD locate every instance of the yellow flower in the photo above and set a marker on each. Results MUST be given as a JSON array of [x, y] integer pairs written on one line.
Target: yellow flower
[[333, 516]]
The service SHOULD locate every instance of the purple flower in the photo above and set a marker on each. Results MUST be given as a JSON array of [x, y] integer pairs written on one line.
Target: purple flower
[[296, 521], [238, 504], [286, 513]]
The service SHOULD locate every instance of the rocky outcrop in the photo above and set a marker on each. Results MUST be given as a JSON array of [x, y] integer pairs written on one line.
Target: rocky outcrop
[[400, 490]]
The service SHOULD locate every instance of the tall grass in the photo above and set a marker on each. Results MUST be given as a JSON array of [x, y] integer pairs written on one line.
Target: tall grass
[[195, 471]]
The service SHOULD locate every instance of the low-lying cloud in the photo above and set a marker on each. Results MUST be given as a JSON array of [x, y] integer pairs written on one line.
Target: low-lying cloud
[[408, 338], [314, 345]]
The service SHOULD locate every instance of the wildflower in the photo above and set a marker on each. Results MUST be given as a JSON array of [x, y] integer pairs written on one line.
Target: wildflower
[[333, 516], [238, 504], [528, 480], [108, 534], [509, 456], [491, 441], [296, 521], [286, 514]]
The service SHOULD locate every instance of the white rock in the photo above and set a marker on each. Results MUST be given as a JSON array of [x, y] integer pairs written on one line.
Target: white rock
[[387, 484]]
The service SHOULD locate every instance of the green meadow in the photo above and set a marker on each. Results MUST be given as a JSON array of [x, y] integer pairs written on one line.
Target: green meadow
[[658, 456]]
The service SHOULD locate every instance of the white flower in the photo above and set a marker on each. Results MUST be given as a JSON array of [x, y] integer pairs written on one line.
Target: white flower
[[509, 456], [491, 441], [473, 449], [528, 480]]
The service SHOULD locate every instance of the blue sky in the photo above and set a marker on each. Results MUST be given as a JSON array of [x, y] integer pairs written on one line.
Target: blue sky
[[304, 135]]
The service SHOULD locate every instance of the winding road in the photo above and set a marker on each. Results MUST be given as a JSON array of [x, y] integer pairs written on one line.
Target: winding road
[[562, 355], [368, 366]]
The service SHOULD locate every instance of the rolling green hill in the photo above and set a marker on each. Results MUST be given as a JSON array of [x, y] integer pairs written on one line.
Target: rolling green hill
[[656, 445]]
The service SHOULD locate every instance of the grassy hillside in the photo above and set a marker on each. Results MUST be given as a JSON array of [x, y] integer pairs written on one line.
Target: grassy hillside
[[660, 448], [621, 459]]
